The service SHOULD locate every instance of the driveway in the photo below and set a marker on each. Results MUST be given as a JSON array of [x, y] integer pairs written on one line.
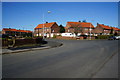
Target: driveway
[[74, 59]]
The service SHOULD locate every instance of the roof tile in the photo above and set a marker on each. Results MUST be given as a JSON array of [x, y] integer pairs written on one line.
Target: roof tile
[[104, 26], [81, 24], [45, 25]]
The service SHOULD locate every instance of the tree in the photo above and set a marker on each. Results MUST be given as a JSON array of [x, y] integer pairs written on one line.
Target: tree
[[46, 22], [84, 21], [78, 29], [79, 21], [115, 34], [62, 29], [111, 32]]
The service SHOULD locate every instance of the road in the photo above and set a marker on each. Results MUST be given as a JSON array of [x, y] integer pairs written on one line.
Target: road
[[75, 59]]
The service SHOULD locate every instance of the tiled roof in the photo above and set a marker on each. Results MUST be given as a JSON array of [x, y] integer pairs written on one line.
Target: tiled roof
[[83, 24], [114, 28], [45, 25], [80, 24], [9, 29], [104, 26], [21, 31], [27, 31]]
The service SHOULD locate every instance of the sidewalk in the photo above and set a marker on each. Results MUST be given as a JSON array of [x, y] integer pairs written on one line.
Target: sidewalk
[[50, 44]]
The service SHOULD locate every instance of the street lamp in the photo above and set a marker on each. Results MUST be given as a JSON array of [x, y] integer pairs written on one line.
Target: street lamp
[[50, 28], [44, 24], [90, 31]]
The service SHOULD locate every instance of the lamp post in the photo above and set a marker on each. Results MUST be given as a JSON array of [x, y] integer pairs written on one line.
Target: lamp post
[[90, 31], [90, 28], [50, 27], [44, 24]]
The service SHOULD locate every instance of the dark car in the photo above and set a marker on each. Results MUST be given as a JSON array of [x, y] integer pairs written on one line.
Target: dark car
[[112, 38]]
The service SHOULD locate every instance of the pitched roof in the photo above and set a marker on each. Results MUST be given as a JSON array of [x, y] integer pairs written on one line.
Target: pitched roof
[[104, 26], [80, 24], [45, 25], [114, 28], [9, 29], [88, 25], [21, 31], [27, 31]]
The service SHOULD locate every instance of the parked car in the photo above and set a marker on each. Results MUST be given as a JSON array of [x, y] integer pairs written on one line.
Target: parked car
[[68, 35], [112, 38], [117, 37], [84, 36]]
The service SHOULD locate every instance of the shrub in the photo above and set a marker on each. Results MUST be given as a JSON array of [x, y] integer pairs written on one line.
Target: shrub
[[103, 36], [39, 40], [54, 36], [28, 38]]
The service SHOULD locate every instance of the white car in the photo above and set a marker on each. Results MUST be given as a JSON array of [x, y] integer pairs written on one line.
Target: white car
[[117, 37]]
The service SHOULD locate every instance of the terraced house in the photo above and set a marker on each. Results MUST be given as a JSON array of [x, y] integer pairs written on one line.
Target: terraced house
[[15, 32], [81, 28], [47, 29]]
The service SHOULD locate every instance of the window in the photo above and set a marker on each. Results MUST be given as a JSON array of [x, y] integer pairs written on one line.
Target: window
[[68, 30], [90, 29], [85, 28]]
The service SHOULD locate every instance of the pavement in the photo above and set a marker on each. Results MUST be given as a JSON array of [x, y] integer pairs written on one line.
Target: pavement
[[74, 59], [50, 44]]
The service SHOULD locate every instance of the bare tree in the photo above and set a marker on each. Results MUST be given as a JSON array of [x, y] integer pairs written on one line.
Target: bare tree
[[78, 29]]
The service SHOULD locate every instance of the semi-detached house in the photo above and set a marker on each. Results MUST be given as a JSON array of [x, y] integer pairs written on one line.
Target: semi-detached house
[[14, 32], [46, 29], [82, 28], [102, 29]]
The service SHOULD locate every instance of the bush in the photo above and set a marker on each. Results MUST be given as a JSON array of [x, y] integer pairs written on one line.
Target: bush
[[54, 36], [28, 38], [37, 36], [39, 40], [103, 36]]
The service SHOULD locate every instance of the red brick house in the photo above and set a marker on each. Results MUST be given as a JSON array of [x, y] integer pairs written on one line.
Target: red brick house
[[14, 32], [102, 29], [115, 30], [47, 29], [79, 27]]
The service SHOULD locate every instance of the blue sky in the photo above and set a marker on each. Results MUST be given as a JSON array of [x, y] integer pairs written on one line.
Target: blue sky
[[27, 15]]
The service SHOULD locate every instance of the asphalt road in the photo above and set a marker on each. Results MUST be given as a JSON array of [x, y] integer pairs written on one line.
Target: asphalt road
[[75, 59]]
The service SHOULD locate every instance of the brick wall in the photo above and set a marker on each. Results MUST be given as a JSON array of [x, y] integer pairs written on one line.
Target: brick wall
[[53, 29], [56, 28]]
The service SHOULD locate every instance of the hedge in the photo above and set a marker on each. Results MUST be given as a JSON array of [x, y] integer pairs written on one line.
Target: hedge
[[103, 36]]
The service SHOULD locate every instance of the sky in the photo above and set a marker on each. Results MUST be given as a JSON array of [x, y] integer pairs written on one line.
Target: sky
[[27, 15], [60, 0]]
